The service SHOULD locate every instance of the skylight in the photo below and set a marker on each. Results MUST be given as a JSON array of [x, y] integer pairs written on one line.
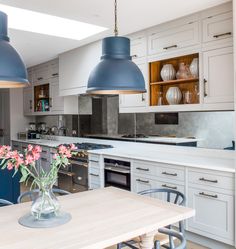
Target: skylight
[[22, 19]]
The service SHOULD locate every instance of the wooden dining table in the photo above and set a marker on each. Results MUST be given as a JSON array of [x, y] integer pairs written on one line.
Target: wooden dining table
[[100, 218]]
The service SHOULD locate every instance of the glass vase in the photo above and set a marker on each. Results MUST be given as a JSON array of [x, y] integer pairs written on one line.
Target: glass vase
[[46, 205]]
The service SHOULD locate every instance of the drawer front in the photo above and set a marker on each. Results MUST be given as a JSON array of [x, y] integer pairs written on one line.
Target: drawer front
[[214, 214], [94, 175], [94, 158], [138, 47], [41, 73], [139, 184], [205, 178], [45, 153], [94, 164], [144, 168], [174, 173], [219, 27], [159, 170], [174, 38]]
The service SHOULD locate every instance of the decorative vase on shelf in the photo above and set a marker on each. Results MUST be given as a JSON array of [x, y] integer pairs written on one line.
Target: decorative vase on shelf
[[194, 68], [173, 95], [183, 72], [168, 72]]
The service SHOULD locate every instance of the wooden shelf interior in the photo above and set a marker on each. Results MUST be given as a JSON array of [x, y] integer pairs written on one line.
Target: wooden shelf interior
[[157, 85], [41, 103]]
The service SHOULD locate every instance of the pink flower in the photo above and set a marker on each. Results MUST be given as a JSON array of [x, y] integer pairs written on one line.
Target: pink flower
[[68, 154], [62, 149], [10, 166], [73, 147], [29, 159], [55, 156], [38, 149], [30, 147]]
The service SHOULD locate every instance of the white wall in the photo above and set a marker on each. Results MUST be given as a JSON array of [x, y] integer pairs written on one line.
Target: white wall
[[18, 122]]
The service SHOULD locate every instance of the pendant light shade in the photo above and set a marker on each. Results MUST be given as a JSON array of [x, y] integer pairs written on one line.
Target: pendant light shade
[[116, 73], [13, 73]]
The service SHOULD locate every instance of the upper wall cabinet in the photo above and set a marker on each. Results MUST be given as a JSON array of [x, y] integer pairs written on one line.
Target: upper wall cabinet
[[135, 100], [173, 38], [218, 76], [202, 44], [75, 67], [42, 97], [138, 46], [217, 26]]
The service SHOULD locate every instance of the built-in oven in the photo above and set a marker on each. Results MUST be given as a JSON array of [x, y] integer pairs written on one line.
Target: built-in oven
[[117, 173], [74, 177]]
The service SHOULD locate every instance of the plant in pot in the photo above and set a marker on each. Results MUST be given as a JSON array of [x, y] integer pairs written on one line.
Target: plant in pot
[[46, 205]]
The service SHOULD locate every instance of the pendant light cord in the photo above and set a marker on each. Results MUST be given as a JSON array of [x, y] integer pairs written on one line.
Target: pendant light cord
[[116, 28]]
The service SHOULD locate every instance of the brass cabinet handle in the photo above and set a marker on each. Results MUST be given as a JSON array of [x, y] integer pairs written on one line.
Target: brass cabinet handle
[[31, 104], [224, 34], [207, 180], [40, 78], [208, 195], [173, 46], [134, 56], [169, 174], [168, 186], [143, 97], [55, 74], [93, 161], [94, 175], [205, 85], [50, 102], [139, 180], [143, 169]]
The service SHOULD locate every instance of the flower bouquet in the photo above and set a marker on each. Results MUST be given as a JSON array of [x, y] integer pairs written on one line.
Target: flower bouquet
[[46, 205]]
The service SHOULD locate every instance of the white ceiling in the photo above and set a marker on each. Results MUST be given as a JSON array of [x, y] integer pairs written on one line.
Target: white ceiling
[[133, 15]]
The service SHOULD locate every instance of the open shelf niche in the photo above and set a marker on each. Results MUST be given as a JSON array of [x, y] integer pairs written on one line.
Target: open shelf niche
[[41, 98], [157, 85]]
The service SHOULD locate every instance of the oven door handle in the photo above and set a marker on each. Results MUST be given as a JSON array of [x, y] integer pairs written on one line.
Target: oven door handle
[[79, 163], [114, 169]]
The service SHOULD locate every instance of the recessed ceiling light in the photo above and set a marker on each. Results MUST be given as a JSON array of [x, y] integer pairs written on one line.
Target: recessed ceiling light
[[36, 22]]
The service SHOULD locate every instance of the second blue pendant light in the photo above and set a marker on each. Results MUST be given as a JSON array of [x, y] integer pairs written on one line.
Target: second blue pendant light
[[116, 73]]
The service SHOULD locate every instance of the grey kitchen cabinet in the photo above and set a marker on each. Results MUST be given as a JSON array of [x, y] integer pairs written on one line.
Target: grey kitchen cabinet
[[212, 190], [174, 37], [56, 101], [218, 76], [48, 73], [28, 101], [138, 45], [95, 172], [16, 145], [75, 67], [218, 225], [218, 27], [135, 100]]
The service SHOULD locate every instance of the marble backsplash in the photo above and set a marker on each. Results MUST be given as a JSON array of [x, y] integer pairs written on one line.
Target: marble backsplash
[[215, 129]]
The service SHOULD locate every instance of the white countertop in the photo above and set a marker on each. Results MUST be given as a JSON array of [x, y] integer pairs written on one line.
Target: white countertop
[[222, 160], [152, 139]]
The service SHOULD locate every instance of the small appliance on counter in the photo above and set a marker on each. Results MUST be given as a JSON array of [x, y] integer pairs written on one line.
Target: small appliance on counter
[[22, 135], [32, 133]]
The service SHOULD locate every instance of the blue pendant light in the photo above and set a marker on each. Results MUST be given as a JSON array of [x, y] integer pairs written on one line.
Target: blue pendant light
[[116, 73], [12, 69]]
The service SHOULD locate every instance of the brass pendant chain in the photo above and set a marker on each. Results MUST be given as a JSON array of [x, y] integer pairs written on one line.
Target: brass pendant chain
[[116, 28]]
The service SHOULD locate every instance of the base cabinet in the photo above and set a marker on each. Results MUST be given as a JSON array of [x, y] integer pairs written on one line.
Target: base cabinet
[[214, 215]]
